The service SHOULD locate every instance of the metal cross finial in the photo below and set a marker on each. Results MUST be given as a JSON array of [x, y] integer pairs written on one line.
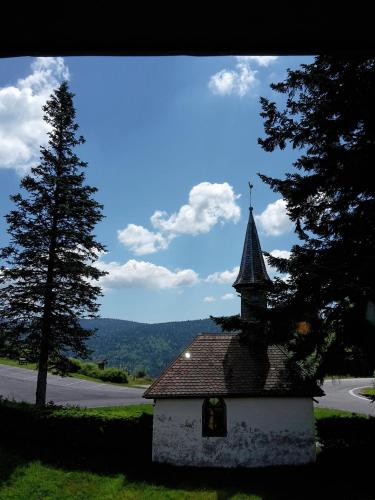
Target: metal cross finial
[[251, 187]]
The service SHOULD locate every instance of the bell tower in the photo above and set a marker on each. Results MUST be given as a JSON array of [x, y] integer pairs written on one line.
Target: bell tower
[[252, 279]]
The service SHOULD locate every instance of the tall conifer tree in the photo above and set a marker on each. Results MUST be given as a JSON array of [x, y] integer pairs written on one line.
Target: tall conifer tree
[[48, 277], [328, 114]]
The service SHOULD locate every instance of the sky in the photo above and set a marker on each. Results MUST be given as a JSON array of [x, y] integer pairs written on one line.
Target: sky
[[171, 144]]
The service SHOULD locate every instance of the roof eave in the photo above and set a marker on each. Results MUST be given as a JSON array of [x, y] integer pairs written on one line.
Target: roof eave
[[270, 394]]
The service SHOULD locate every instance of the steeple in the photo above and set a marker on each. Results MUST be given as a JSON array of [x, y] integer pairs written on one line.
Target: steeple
[[252, 276]]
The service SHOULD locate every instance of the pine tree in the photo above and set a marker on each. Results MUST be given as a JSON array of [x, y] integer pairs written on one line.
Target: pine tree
[[328, 116], [48, 277]]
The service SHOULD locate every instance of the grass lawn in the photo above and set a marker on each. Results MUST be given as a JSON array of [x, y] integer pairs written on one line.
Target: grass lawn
[[368, 392], [14, 362], [136, 410], [36, 475], [108, 412], [323, 413], [36, 481]]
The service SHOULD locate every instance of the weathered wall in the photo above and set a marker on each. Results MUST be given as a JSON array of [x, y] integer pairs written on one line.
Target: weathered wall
[[261, 432]]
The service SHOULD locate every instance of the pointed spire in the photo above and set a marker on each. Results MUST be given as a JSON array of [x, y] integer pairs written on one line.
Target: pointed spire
[[250, 187], [252, 269]]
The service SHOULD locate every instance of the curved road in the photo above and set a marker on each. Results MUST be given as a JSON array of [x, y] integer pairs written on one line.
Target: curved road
[[20, 384], [342, 394]]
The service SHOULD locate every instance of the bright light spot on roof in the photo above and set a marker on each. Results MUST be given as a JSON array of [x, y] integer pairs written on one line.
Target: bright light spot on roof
[[187, 355]]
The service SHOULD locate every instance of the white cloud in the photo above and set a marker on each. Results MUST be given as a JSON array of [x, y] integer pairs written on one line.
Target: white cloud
[[141, 241], [209, 299], [140, 274], [223, 82], [208, 204], [22, 128], [283, 254], [261, 60], [272, 271], [240, 80], [274, 219], [227, 296], [223, 278]]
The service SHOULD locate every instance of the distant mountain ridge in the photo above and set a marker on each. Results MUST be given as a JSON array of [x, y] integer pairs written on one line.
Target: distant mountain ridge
[[134, 346]]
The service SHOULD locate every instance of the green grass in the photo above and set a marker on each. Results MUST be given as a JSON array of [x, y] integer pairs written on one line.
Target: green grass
[[108, 412], [134, 411], [14, 362], [35, 481], [367, 391], [348, 375], [322, 413], [137, 410]]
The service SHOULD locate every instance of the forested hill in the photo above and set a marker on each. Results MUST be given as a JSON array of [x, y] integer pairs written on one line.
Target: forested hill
[[141, 345]]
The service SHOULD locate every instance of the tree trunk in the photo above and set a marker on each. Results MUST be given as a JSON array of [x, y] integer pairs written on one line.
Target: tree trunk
[[41, 385]]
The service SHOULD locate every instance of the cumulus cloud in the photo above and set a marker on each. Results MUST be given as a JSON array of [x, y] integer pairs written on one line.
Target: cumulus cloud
[[208, 205], [22, 129], [261, 60], [141, 241], [209, 298], [140, 274], [240, 80], [283, 254], [227, 296], [274, 219], [224, 277]]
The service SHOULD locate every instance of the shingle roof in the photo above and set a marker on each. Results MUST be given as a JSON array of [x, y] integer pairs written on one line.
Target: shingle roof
[[220, 365], [252, 268]]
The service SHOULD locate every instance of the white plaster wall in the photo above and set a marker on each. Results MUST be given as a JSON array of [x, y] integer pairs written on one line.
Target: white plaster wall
[[261, 432]]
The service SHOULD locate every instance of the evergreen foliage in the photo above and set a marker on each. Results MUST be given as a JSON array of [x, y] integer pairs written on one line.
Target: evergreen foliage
[[142, 347], [328, 116], [47, 279]]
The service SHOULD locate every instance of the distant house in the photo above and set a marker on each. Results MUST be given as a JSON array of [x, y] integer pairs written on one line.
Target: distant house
[[228, 403]]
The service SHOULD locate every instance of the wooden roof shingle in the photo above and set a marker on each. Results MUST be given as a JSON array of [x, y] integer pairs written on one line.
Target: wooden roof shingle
[[220, 365]]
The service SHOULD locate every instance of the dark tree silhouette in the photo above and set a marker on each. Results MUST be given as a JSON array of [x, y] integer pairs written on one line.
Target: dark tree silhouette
[[328, 115], [48, 277]]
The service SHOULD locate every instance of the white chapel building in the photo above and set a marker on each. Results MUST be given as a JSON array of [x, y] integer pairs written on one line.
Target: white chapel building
[[225, 402]]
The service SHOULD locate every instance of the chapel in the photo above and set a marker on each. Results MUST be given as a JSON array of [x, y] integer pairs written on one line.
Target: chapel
[[228, 402]]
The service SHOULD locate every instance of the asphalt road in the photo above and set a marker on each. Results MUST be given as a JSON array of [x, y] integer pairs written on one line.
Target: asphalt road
[[342, 394], [20, 384]]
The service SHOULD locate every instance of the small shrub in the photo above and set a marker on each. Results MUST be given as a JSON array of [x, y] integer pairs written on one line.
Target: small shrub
[[90, 370], [63, 366], [74, 365], [343, 432], [114, 375], [76, 430], [140, 373]]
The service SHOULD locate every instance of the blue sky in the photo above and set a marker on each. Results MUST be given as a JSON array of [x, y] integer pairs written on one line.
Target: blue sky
[[171, 143]]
